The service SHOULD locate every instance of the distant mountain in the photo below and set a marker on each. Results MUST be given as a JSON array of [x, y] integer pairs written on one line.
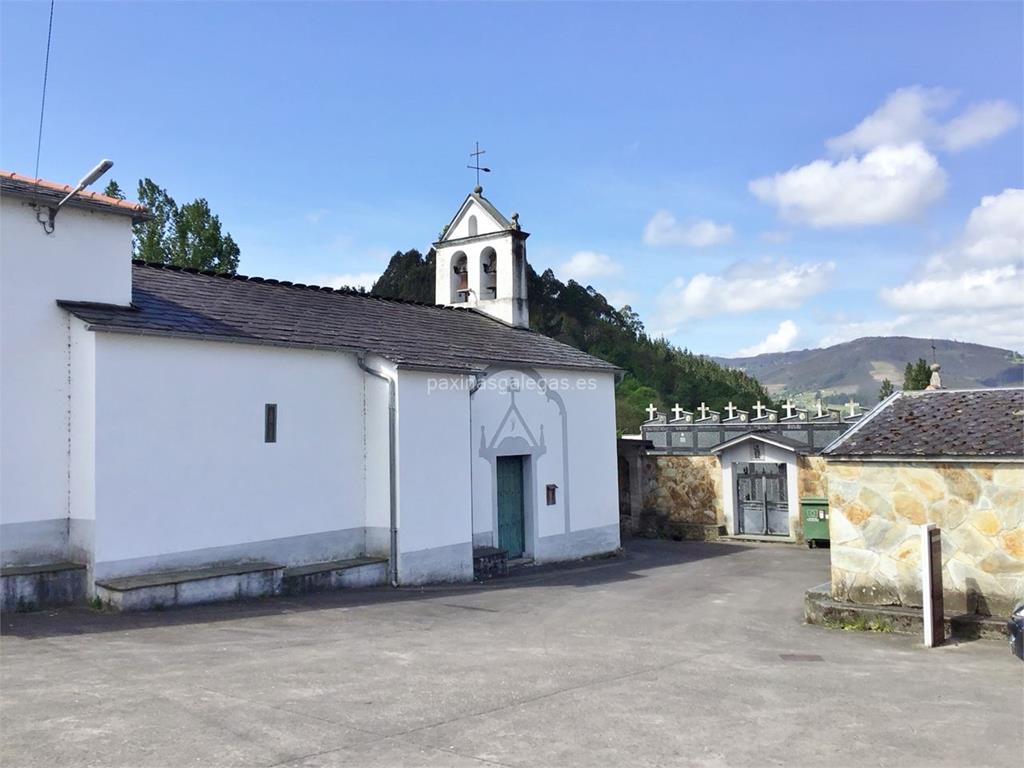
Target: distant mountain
[[856, 368]]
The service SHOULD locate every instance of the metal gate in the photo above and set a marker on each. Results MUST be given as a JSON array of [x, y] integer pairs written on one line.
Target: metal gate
[[762, 504]]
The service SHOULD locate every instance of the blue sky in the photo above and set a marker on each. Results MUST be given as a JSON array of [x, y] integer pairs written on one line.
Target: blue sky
[[749, 177]]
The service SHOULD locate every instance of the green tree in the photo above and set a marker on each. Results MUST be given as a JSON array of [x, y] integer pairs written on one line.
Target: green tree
[[113, 189], [917, 375], [885, 390], [188, 235], [197, 240], [153, 237]]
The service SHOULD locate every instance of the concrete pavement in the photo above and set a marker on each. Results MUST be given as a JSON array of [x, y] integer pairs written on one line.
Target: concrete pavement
[[674, 654]]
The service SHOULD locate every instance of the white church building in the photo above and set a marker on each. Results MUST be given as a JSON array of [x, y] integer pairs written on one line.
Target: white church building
[[173, 436]]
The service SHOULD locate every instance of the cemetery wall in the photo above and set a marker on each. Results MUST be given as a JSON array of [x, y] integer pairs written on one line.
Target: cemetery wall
[[682, 495]]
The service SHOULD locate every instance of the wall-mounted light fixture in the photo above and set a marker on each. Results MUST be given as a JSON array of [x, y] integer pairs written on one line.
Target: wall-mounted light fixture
[[48, 219]]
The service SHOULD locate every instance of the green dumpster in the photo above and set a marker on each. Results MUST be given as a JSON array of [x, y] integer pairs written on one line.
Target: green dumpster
[[814, 513]]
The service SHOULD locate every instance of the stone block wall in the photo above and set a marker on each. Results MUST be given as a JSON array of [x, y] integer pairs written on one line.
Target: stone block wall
[[877, 508], [683, 490], [811, 477]]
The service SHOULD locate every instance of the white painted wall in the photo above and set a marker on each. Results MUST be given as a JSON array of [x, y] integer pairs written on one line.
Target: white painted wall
[[88, 258], [579, 458], [485, 223], [376, 467], [770, 454], [181, 463], [433, 468], [508, 302], [82, 424]]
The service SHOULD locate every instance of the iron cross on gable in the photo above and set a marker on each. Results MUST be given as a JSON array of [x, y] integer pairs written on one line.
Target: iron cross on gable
[[476, 163]]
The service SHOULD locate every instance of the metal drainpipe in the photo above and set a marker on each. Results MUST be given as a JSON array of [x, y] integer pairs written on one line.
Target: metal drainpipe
[[392, 463]]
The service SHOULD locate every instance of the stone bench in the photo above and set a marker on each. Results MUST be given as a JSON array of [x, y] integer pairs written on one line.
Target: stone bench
[[335, 574], [31, 587], [489, 562], [191, 587]]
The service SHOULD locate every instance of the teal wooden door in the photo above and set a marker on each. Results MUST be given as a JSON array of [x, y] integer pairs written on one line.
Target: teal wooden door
[[511, 536]]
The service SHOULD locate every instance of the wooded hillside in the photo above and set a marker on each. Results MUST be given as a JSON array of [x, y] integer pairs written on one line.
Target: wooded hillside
[[656, 371]]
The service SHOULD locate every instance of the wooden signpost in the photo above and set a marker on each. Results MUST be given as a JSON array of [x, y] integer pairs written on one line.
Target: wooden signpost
[[931, 585]]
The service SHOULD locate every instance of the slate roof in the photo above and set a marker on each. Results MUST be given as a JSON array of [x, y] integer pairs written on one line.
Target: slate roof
[[766, 436], [51, 193], [171, 301], [938, 423]]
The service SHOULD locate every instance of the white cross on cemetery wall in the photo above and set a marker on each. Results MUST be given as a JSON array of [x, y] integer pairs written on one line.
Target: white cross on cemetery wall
[[853, 407], [677, 412], [820, 414], [651, 412], [730, 409], [759, 409], [703, 411], [789, 408]]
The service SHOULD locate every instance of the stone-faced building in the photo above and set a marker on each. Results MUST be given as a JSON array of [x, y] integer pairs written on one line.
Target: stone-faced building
[[954, 458], [699, 475]]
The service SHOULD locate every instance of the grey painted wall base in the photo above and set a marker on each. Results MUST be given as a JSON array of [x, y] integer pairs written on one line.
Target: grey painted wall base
[[292, 550], [453, 563], [326, 577], [191, 588], [378, 542], [577, 544], [34, 542], [30, 589], [483, 539]]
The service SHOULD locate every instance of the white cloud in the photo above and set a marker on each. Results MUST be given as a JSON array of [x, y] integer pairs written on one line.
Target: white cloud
[[314, 216], [349, 280], [619, 299], [904, 118], [586, 265], [980, 123], [983, 269], [908, 115], [779, 341], [776, 236], [997, 328], [888, 184], [995, 229], [746, 288], [975, 289], [664, 229]]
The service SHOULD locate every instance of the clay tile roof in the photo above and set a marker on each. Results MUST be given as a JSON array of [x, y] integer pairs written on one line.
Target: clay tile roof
[[51, 192], [938, 423], [172, 301]]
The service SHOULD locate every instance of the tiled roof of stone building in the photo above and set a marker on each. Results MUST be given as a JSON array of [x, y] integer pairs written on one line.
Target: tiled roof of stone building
[[940, 423], [170, 301], [50, 193]]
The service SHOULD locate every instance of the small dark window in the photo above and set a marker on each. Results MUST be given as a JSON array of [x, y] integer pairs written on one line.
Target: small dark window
[[270, 423], [552, 492]]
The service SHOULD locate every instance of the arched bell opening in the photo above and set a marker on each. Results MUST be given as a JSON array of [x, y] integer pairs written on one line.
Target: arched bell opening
[[459, 278], [488, 273]]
